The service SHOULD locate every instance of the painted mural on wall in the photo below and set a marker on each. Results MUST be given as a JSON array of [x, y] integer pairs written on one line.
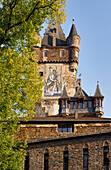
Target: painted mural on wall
[[53, 80]]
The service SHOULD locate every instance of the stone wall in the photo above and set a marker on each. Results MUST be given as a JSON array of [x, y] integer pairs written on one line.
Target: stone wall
[[46, 131], [75, 148], [54, 54]]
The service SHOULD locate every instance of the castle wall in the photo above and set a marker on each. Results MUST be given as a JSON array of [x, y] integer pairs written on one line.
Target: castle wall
[[36, 132], [74, 146]]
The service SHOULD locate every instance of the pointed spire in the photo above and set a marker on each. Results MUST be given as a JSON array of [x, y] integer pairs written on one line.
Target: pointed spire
[[64, 93], [98, 92], [73, 30]]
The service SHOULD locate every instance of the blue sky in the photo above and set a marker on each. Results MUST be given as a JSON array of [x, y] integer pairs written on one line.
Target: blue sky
[[93, 24]]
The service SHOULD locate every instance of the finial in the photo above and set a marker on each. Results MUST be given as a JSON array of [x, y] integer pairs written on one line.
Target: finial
[[97, 82], [73, 20]]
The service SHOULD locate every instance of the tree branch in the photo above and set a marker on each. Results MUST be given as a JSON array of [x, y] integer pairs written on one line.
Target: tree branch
[[12, 5], [27, 18]]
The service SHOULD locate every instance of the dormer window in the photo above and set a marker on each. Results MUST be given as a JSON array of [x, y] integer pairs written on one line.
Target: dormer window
[[54, 30], [77, 53], [71, 40], [62, 53], [45, 53]]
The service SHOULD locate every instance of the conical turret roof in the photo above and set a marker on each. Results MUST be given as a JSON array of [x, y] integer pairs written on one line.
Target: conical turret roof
[[98, 92], [73, 30], [64, 93]]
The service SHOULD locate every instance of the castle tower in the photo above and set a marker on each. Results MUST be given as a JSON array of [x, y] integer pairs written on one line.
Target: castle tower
[[57, 60], [73, 41]]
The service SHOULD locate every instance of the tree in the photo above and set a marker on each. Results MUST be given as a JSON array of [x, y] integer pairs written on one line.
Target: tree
[[21, 84]]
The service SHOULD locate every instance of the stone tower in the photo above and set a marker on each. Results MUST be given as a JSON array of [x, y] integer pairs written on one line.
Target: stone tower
[[57, 58]]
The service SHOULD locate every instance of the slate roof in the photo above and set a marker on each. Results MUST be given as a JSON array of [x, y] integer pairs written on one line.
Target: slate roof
[[81, 93], [48, 36], [64, 93], [56, 119], [98, 92], [73, 30]]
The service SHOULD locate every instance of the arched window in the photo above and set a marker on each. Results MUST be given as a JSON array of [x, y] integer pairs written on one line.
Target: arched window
[[26, 165], [54, 30], [65, 160], [106, 156], [85, 159], [62, 53], [45, 53], [46, 160]]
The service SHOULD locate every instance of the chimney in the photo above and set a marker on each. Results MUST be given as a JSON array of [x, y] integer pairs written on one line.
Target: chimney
[[78, 82]]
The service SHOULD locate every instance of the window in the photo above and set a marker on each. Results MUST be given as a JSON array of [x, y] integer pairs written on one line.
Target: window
[[71, 105], [71, 40], [76, 105], [65, 161], [89, 103], [81, 105], [77, 40], [85, 104], [64, 128], [41, 74], [54, 30], [45, 53], [97, 102], [46, 161], [64, 103], [85, 159], [106, 157], [26, 165], [62, 53], [77, 53], [60, 104]]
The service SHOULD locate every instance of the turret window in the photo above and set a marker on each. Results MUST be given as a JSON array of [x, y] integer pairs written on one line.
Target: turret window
[[80, 105], [62, 53], [89, 103], [77, 53], [64, 103], [85, 104], [71, 40], [71, 105], [77, 40], [45, 53], [97, 102], [76, 105]]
